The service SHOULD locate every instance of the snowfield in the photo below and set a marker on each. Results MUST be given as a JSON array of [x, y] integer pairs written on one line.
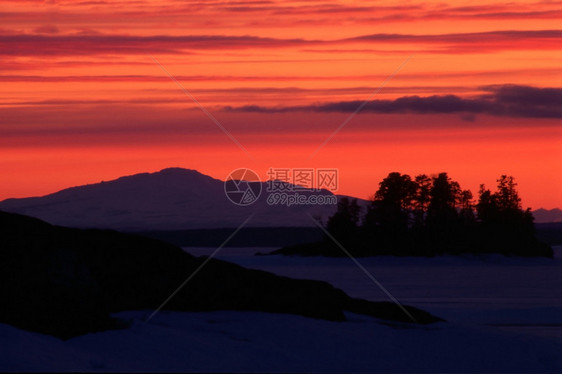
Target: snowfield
[[504, 315], [261, 342]]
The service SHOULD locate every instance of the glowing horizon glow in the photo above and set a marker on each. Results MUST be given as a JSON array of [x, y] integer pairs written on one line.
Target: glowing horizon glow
[[82, 101]]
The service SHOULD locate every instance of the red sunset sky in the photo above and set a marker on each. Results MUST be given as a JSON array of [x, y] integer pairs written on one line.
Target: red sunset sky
[[475, 90]]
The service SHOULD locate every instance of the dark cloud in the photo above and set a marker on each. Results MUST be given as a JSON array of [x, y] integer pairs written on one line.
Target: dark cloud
[[464, 38], [46, 29], [504, 100], [417, 104], [92, 44], [37, 45]]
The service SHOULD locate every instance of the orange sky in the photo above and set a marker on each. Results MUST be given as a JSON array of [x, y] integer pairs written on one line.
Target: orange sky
[[474, 90]]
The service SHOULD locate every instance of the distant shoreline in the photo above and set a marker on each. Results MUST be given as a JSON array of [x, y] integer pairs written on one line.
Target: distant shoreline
[[550, 233]]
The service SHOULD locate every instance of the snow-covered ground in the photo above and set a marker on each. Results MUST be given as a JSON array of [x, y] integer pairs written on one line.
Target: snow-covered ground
[[260, 342], [523, 294], [504, 315]]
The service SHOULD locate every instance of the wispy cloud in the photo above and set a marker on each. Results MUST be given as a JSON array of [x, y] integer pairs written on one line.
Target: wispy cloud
[[502, 100], [79, 45], [71, 45]]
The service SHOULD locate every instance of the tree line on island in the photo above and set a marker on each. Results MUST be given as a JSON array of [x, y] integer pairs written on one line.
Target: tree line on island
[[427, 216]]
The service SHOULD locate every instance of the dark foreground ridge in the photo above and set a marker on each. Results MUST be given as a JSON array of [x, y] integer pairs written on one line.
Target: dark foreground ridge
[[65, 282]]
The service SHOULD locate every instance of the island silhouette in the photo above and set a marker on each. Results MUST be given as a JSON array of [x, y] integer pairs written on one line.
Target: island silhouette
[[428, 216]]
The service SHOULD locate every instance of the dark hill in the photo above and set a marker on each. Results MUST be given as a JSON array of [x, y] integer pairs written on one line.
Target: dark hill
[[171, 199], [66, 282]]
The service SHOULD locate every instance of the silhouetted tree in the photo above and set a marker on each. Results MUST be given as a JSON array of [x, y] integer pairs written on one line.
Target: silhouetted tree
[[428, 216], [501, 206], [389, 213], [444, 195], [507, 197], [442, 216], [466, 207], [343, 225], [486, 208], [422, 198], [505, 226]]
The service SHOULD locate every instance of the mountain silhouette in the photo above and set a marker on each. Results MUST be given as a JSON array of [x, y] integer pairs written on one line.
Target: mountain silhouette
[[171, 199], [176, 199], [547, 215]]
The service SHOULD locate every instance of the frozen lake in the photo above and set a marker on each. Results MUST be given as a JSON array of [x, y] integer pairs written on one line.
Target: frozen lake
[[520, 294], [504, 315]]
